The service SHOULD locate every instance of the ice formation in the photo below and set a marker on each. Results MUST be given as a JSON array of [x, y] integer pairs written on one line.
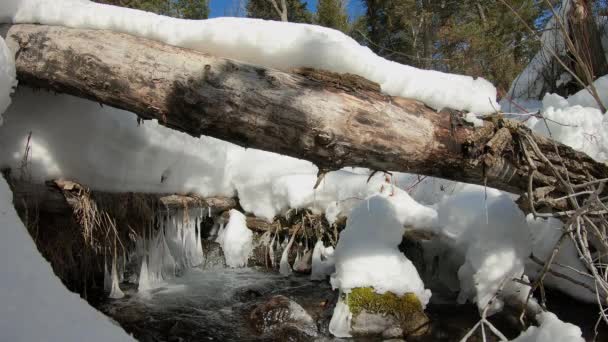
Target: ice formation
[[115, 291], [551, 329], [183, 238], [340, 324], [284, 266], [8, 76], [322, 261], [173, 249], [236, 240], [158, 263], [272, 44]]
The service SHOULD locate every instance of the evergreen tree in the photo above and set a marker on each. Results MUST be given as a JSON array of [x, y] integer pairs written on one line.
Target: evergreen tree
[[484, 38], [332, 13], [263, 9], [187, 9], [473, 37], [192, 9]]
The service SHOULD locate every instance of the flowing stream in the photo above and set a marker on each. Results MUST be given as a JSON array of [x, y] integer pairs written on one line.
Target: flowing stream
[[215, 305]]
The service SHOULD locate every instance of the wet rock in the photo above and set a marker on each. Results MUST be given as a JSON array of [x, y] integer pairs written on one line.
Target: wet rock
[[367, 323], [248, 294], [282, 317]]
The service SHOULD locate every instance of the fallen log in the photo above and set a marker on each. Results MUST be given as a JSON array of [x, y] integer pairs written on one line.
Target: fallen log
[[330, 119], [53, 198]]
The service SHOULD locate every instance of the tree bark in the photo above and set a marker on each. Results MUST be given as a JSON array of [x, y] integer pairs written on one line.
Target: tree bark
[[332, 120], [587, 39]]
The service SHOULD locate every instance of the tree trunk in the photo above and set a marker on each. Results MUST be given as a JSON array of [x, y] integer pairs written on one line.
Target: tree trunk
[[587, 39], [332, 120]]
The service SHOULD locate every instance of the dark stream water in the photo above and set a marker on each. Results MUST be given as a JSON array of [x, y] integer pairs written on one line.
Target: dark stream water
[[216, 304]]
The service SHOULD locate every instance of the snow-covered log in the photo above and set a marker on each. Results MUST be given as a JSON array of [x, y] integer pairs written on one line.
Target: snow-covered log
[[333, 120]]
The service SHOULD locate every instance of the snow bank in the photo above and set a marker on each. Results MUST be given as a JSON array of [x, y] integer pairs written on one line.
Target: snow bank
[[492, 235], [7, 76], [367, 252], [272, 44], [583, 128], [496, 240], [106, 149], [584, 99], [236, 240], [35, 306], [545, 234], [551, 329]]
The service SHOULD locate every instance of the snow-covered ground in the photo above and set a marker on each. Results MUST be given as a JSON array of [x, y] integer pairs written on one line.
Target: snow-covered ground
[[34, 304]]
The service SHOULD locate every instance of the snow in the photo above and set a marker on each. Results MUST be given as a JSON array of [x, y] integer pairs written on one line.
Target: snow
[[35, 306], [490, 231], [272, 44], [7, 76], [473, 119], [551, 329], [106, 149], [367, 252], [583, 97], [545, 234], [236, 240], [583, 128]]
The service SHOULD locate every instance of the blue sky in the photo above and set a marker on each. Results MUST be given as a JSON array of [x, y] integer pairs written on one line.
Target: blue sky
[[220, 8]]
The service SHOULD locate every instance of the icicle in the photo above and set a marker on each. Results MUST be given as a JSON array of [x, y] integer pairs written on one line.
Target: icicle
[[220, 234], [107, 278], [284, 267], [340, 323], [303, 260], [199, 245], [144, 283], [320, 267], [209, 214], [271, 251], [168, 269], [298, 255], [115, 292]]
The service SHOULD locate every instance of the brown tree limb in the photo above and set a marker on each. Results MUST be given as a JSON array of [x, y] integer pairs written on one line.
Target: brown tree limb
[[333, 120]]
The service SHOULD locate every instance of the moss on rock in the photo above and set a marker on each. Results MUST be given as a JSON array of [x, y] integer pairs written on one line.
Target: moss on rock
[[407, 309]]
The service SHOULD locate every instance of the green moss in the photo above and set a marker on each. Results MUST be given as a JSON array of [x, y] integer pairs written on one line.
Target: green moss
[[364, 298], [407, 308]]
